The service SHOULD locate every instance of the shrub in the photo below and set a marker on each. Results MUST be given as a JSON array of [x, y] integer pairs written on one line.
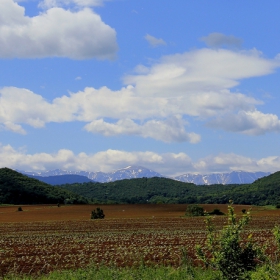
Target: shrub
[[216, 212], [225, 251], [19, 209], [276, 233], [194, 210], [97, 214]]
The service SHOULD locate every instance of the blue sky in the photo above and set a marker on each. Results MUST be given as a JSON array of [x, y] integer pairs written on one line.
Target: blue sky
[[175, 86]]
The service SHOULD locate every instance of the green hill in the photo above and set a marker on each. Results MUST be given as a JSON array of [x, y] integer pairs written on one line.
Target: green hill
[[149, 190], [16, 188], [162, 190]]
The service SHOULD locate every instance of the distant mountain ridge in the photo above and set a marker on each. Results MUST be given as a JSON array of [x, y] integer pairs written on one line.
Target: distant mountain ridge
[[62, 179], [234, 177], [132, 172]]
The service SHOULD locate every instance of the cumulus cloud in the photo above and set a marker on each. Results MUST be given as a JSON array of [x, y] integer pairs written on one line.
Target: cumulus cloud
[[226, 162], [171, 130], [157, 100], [13, 127], [233, 162], [78, 35], [168, 164], [153, 41], [104, 161], [250, 122], [25, 107], [217, 40], [15, 109]]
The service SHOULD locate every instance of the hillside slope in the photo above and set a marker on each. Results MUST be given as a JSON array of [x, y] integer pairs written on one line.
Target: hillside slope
[[146, 190], [16, 188], [263, 191]]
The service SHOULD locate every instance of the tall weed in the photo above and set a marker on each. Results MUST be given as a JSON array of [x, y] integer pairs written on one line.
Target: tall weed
[[225, 250]]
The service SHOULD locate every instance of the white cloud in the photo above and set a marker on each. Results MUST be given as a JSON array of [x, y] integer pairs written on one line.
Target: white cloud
[[105, 161], [226, 162], [234, 162], [217, 40], [171, 130], [157, 99], [153, 41], [250, 122], [168, 164], [77, 35], [13, 127], [21, 106], [200, 71]]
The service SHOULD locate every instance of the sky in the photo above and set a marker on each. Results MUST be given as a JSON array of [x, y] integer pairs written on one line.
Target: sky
[[175, 86]]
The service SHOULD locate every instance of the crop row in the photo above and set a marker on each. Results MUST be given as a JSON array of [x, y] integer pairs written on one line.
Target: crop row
[[42, 247]]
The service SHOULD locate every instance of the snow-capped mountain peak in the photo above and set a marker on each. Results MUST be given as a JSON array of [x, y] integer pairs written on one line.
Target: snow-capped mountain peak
[[130, 172]]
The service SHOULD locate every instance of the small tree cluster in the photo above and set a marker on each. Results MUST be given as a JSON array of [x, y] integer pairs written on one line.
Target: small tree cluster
[[194, 210], [97, 214]]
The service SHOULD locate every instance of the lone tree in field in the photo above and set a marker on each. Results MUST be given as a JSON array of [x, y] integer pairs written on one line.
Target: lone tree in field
[[194, 210], [97, 214]]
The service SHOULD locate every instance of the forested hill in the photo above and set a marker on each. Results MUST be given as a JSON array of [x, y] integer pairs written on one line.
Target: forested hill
[[264, 191], [16, 188]]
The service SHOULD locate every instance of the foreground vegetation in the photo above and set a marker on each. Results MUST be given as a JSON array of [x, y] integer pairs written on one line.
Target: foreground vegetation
[[265, 272], [155, 248], [137, 273]]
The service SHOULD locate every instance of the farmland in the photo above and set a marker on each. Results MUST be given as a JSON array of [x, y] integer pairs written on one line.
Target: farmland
[[43, 238]]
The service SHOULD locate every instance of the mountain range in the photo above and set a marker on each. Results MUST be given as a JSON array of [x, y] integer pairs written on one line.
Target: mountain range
[[58, 176], [234, 177]]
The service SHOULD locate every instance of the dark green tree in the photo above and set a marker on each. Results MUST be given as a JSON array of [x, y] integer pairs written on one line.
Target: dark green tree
[[194, 210], [97, 214]]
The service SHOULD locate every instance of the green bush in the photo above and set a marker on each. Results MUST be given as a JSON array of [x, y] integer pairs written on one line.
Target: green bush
[[225, 251], [97, 214], [194, 210]]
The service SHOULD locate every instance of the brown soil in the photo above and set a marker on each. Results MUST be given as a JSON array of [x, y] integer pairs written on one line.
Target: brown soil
[[42, 238], [34, 213]]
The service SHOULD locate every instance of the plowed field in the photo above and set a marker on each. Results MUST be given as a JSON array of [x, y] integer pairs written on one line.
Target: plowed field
[[43, 238]]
